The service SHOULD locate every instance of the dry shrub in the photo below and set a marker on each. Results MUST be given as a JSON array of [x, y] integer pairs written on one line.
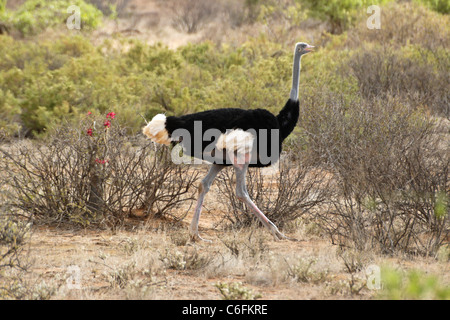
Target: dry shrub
[[190, 15], [303, 271], [403, 24], [234, 13], [98, 176], [186, 260], [391, 170], [236, 291], [108, 7], [3, 28], [283, 196], [420, 81], [247, 244], [14, 232], [407, 57]]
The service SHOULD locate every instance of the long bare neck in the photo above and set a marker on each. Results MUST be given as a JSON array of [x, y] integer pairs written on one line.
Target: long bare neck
[[295, 76]]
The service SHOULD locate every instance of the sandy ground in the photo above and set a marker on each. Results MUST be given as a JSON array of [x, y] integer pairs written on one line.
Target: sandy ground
[[99, 255], [155, 260]]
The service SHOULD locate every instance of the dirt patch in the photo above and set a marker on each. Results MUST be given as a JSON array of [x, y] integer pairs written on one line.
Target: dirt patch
[[156, 260]]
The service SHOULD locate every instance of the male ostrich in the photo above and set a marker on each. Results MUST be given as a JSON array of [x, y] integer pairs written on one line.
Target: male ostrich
[[232, 136]]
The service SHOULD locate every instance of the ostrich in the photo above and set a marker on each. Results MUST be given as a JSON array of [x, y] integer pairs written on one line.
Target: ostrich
[[240, 137]]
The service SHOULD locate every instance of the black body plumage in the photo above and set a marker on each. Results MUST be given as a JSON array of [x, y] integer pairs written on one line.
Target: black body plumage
[[225, 119]]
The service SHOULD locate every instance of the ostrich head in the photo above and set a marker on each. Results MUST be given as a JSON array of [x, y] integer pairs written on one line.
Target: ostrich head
[[303, 48]]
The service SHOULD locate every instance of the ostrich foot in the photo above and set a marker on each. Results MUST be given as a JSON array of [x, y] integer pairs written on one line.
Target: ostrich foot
[[196, 237], [280, 236]]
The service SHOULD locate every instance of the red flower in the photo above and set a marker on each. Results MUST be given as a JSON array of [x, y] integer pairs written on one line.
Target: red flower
[[101, 161], [89, 132], [111, 115], [89, 113], [107, 124]]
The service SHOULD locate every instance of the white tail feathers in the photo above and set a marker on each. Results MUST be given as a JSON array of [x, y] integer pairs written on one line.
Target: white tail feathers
[[156, 130]]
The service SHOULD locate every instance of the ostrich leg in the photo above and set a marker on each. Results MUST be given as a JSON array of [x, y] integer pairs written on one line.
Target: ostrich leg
[[242, 194], [202, 190]]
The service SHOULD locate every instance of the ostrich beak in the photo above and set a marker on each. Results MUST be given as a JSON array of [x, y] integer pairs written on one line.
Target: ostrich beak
[[308, 48]]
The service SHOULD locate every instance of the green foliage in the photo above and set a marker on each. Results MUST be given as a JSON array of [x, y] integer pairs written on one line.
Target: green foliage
[[34, 16], [44, 82], [441, 205], [412, 285], [2, 6], [158, 59], [9, 114], [53, 80], [441, 6], [292, 12], [339, 13], [49, 81]]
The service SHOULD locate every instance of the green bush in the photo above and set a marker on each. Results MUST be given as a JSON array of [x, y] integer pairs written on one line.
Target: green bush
[[45, 81], [412, 285], [35, 16], [441, 6], [340, 14], [69, 76], [9, 114]]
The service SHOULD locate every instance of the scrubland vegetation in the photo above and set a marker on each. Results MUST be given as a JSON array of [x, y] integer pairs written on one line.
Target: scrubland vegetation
[[366, 169]]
